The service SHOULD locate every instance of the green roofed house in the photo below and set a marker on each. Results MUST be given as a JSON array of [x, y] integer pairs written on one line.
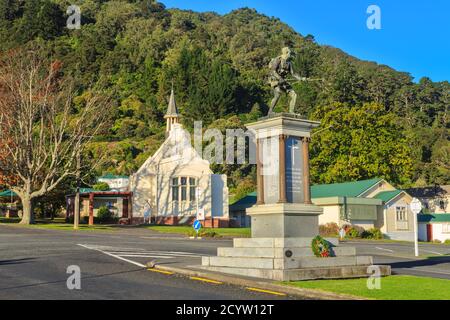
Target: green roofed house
[[434, 227], [372, 203]]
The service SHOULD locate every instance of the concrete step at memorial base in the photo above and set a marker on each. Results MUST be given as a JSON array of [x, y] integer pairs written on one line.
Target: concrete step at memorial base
[[278, 242], [343, 272], [285, 263], [280, 252]]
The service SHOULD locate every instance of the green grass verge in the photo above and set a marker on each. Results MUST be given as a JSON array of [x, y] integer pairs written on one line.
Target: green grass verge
[[223, 232], [392, 288], [56, 224]]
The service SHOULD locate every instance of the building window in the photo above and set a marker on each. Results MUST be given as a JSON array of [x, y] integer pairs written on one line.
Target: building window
[[401, 222], [192, 189], [446, 228], [180, 188], [175, 188], [401, 214], [183, 189]]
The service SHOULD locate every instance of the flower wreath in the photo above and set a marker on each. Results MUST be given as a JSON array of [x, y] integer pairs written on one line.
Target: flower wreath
[[320, 247]]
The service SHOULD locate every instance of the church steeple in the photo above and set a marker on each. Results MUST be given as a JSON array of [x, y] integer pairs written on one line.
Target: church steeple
[[171, 116]]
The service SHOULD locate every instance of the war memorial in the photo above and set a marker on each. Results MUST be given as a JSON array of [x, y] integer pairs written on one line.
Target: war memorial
[[285, 245]]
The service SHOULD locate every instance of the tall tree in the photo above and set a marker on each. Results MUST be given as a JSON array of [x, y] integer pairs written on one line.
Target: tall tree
[[359, 142], [45, 132]]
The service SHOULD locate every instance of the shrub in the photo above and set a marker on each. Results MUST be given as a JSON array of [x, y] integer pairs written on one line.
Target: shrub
[[352, 233], [104, 215], [373, 233], [437, 241], [329, 229], [447, 241], [204, 233]]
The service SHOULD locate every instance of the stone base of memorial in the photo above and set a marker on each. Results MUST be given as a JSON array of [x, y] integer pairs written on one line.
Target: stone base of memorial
[[284, 221]]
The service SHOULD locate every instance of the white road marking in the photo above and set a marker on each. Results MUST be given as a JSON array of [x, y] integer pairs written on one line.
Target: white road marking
[[433, 252], [117, 257], [123, 253], [384, 249]]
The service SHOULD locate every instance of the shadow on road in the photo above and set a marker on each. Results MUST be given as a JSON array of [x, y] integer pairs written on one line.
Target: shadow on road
[[15, 261], [65, 280], [432, 261]]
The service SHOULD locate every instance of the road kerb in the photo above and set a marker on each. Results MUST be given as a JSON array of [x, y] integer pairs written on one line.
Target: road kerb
[[206, 280], [267, 291], [262, 285]]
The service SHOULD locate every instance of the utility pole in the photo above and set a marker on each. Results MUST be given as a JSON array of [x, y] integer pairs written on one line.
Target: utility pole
[[76, 218]]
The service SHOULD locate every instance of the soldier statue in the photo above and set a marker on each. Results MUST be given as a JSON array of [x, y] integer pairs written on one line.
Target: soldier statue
[[280, 69]]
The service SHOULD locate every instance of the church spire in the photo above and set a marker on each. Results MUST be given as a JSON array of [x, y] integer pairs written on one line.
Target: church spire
[[171, 116]]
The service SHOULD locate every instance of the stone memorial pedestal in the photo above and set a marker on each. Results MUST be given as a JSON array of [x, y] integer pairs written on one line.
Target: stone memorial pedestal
[[284, 220]]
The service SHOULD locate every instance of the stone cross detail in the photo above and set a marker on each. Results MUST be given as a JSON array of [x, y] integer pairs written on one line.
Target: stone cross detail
[[293, 147]]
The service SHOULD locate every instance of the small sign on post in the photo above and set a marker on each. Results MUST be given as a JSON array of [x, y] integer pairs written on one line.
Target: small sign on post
[[416, 208], [197, 226], [201, 215]]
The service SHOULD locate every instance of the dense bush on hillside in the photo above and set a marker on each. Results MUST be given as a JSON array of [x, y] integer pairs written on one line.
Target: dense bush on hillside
[[379, 122]]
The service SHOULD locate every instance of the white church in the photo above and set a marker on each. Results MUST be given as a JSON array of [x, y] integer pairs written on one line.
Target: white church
[[176, 184]]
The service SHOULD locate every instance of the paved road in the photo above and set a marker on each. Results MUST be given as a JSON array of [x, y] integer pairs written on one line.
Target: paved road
[[33, 264]]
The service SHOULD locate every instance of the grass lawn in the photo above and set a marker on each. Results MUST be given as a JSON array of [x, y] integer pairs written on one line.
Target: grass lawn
[[392, 288], [60, 224], [224, 232], [56, 224]]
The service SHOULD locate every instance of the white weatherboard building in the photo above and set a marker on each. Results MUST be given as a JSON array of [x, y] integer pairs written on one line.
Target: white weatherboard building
[[174, 184]]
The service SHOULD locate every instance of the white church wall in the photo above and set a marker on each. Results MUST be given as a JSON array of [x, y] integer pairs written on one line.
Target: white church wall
[[143, 188], [219, 196]]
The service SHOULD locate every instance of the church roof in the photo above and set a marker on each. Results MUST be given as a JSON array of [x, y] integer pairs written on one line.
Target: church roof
[[172, 110]]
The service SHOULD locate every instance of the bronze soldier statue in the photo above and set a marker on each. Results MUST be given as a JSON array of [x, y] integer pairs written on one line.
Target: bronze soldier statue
[[280, 69]]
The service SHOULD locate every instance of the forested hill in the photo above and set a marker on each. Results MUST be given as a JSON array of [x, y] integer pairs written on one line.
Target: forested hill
[[378, 121]]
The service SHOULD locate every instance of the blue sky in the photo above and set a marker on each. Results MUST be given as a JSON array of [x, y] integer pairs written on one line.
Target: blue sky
[[414, 35]]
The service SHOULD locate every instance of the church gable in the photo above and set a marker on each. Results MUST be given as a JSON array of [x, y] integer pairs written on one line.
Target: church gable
[[176, 151]]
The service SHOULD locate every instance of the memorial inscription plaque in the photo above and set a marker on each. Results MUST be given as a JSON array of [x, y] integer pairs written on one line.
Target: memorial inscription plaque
[[294, 170]]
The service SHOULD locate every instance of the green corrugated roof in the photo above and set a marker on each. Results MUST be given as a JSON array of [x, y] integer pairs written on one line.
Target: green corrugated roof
[[434, 218], [246, 202], [112, 176], [346, 189], [86, 190], [8, 193], [386, 196]]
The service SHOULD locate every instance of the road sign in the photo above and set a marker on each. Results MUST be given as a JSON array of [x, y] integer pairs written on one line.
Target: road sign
[[201, 214], [416, 206], [197, 225]]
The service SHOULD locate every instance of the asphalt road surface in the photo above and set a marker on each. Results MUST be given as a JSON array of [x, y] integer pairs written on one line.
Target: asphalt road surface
[[34, 263]]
